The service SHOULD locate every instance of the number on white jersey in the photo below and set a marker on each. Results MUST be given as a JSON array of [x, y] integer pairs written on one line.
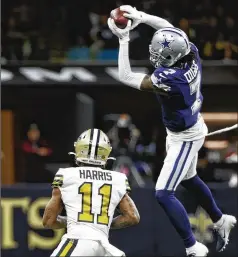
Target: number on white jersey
[[86, 214], [105, 191]]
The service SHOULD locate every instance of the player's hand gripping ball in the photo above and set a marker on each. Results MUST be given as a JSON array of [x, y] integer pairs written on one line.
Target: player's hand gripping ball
[[119, 19]]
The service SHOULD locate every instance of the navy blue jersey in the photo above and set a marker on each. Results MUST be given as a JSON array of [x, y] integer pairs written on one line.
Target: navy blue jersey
[[180, 93]]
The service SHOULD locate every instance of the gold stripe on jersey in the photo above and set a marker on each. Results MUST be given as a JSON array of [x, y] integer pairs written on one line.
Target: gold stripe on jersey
[[128, 188], [58, 181], [67, 248]]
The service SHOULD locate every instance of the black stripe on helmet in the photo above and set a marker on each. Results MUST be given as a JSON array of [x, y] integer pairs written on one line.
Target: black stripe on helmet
[[96, 149], [90, 142]]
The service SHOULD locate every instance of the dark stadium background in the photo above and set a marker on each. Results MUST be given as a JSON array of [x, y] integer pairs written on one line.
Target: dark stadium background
[[59, 77]]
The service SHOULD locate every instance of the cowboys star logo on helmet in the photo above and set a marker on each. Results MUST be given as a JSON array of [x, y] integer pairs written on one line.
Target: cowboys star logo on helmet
[[166, 43]]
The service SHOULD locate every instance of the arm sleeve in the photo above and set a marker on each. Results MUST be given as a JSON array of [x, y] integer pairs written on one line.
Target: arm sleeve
[[126, 75], [156, 22], [58, 179]]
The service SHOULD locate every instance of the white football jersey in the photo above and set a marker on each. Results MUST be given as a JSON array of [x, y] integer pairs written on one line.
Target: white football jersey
[[90, 196]]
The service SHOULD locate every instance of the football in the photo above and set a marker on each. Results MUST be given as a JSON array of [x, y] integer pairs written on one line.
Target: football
[[119, 19]]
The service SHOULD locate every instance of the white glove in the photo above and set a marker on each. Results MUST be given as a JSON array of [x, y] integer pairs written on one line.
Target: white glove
[[122, 34], [131, 13]]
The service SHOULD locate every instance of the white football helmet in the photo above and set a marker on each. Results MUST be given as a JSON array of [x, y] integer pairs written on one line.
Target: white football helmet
[[168, 45]]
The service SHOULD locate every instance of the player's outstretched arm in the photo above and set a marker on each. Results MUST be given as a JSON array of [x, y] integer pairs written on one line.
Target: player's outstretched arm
[[140, 81], [126, 75], [142, 17], [52, 210], [129, 214]]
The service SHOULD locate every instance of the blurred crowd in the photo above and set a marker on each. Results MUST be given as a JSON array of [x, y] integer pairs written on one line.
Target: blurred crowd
[[137, 154], [77, 30]]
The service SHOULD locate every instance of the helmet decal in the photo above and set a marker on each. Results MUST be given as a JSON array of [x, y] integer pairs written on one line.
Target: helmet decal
[[167, 46]]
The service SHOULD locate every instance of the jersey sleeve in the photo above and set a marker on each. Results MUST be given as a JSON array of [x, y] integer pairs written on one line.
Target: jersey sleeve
[[124, 186], [163, 80], [128, 188], [58, 179]]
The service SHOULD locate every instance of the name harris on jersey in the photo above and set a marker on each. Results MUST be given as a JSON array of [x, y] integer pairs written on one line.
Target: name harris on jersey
[[95, 174]]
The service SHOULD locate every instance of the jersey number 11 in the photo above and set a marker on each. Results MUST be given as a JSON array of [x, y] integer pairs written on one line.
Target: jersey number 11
[[86, 214]]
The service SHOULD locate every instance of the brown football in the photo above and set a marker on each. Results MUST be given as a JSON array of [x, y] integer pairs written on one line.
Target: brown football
[[119, 19]]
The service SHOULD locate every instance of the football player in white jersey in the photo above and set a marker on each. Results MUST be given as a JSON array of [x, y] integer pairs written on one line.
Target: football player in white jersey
[[90, 195]]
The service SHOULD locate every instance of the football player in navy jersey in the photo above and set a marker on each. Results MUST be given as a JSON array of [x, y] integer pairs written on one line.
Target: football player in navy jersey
[[176, 81]]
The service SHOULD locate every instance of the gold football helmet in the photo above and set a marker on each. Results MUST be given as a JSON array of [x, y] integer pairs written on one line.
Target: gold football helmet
[[92, 147]]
